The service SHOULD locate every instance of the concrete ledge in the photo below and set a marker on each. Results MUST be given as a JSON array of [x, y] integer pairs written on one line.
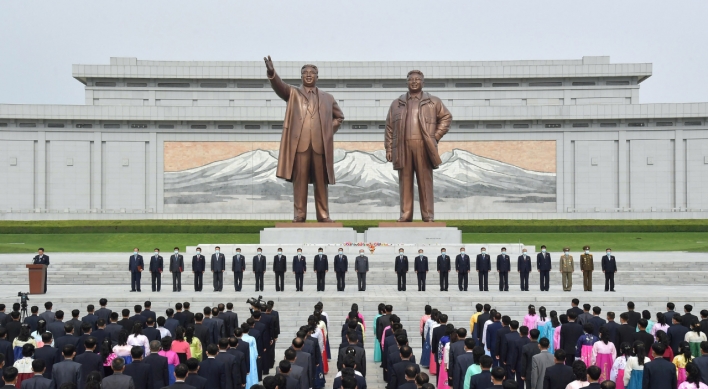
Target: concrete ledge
[[424, 235], [307, 235]]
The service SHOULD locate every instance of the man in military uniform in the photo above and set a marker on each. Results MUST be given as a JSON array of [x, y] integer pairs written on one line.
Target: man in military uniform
[[587, 266], [567, 267]]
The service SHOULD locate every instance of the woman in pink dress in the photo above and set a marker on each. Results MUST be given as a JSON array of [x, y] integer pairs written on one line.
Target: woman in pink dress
[[443, 354], [172, 357], [682, 359], [531, 319], [604, 354], [557, 331], [584, 346], [433, 369], [617, 373], [660, 324], [693, 378]]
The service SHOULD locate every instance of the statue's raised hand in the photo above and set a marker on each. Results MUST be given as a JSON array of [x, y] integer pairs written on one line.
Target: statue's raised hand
[[269, 66]]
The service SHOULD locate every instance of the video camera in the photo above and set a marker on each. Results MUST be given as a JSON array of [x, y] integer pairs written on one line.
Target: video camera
[[23, 298], [257, 302]]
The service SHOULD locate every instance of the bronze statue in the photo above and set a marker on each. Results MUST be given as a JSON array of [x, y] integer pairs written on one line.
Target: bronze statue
[[415, 124], [306, 145]]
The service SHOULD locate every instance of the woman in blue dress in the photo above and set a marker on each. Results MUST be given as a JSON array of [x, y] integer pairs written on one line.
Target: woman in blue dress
[[634, 370], [377, 342], [252, 377], [548, 330]]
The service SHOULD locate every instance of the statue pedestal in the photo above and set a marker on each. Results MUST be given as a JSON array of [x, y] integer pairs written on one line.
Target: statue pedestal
[[413, 233], [308, 233]]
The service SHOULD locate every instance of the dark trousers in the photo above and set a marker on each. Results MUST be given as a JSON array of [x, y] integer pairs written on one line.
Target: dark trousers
[[524, 276], [610, 280], [279, 281], [238, 280], [135, 280], [504, 281], [218, 280], [545, 275], [177, 281], [259, 281], [361, 280], [310, 167], [299, 276], [519, 381], [156, 281], [462, 280], [198, 281], [483, 280], [421, 280], [569, 358], [321, 281], [45, 280], [341, 277], [444, 280], [401, 281]]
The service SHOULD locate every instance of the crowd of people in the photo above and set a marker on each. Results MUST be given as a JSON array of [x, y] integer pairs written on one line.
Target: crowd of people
[[210, 349]]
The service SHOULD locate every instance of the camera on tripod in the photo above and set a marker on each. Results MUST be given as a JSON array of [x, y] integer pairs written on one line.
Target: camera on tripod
[[257, 302], [23, 298]]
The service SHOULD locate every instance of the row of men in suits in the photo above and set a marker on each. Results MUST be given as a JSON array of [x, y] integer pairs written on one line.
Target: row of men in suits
[[483, 266], [238, 267]]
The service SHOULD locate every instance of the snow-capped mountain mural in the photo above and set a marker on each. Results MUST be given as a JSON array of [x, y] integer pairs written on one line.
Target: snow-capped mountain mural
[[365, 183]]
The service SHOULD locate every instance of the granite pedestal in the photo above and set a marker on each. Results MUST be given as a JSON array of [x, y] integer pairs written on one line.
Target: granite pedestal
[[414, 235]]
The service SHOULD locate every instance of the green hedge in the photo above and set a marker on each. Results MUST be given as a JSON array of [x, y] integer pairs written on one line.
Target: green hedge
[[254, 226]]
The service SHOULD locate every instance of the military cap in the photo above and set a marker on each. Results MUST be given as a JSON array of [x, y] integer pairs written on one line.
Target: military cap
[[566, 248], [586, 248]]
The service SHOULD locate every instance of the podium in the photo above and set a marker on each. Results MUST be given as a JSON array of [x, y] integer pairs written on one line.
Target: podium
[[37, 278]]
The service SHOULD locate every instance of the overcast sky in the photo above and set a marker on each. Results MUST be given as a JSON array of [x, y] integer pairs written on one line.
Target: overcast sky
[[40, 40]]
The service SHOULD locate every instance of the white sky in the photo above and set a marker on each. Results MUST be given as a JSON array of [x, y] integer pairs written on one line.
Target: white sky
[[40, 40]]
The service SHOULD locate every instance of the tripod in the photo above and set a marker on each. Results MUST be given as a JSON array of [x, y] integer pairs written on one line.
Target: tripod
[[23, 311]]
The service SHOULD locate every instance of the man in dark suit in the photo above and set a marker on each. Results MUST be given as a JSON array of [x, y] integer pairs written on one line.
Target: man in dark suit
[[236, 345], [139, 370], [401, 268], [158, 366], [193, 378], [543, 265], [67, 370], [38, 381], [47, 315], [341, 266], [397, 376], [229, 317], [304, 360], [259, 268], [321, 267], [76, 322], [612, 327], [57, 326], [462, 362], [299, 269], [234, 374], [625, 332], [238, 266], [500, 338], [609, 268], [215, 325], [135, 266], [89, 360], [14, 326], [90, 318], [280, 265], [86, 334], [702, 362], [103, 312], [632, 316], [68, 339], [201, 331], [359, 355], [42, 259], [503, 268], [462, 266], [491, 336], [687, 319], [457, 349], [510, 349], [176, 268], [285, 369], [559, 375], [483, 379], [597, 321], [527, 352], [421, 269], [669, 313], [659, 373], [361, 267], [150, 331], [181, 376], [156, 265], [46, 353], [569, 334], [137, 318], [171, 323], [643, 336], [218, 265], [443, 269], [524, 268], [676, 333], [198, 268]]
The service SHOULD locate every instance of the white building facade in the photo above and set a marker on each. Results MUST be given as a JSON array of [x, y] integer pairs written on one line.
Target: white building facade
[[529, 139]]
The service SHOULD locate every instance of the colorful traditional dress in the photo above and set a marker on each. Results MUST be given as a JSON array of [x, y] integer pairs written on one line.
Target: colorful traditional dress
[[583, 348], [377, 342], [443, 361], [617, 373], [688, 385], [658, 327], [17, 345], [195, 347], [323, 332], [546, 331], [603, 356], [650, 327], [694, 339], [325, 318], [680, 362], [530, 322], [556, 337], [425, 357], [252, 377], [471, 371], [24, 370], [634, 372], [433, 368]]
